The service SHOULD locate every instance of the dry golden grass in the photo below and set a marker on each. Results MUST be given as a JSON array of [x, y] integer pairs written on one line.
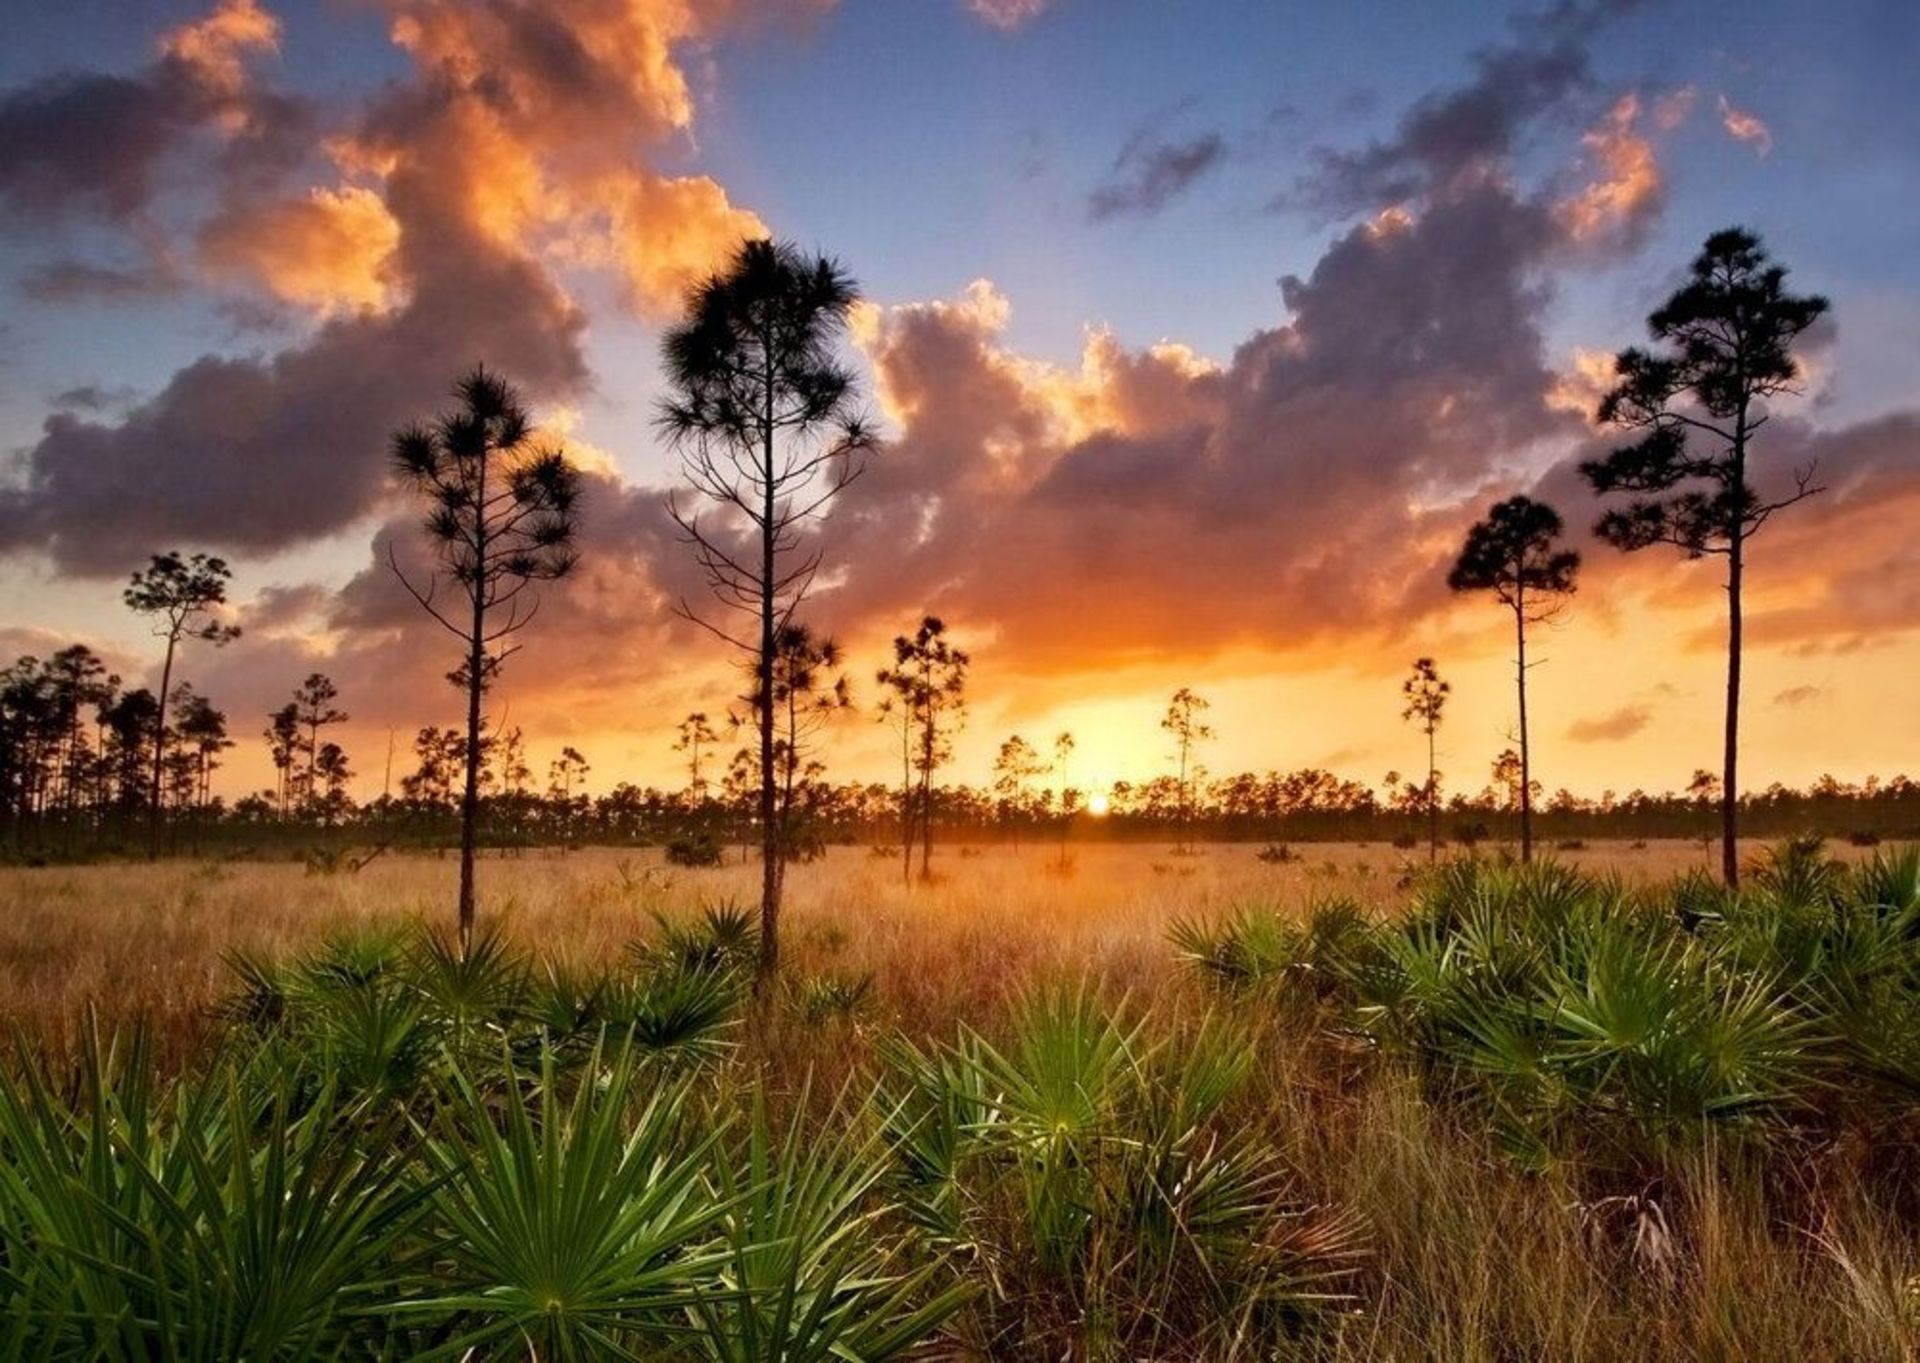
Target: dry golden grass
[[146, 940], [1469, 1258]]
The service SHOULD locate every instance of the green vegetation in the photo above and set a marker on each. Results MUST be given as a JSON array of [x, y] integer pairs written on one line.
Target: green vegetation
[[395, 1149], [1584, 1016]]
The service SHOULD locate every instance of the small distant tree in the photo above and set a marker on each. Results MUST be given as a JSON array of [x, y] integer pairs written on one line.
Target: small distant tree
[[696, 735], [564, 773], [809, 691], [763, 412], [1426, 696], [1063, 746], [314, 710], [76, 679], [514, 771], [1704, 791], [283, 745], [332, 772], [438, 756], [894, 710], [501, 518], [128, 722], [1726, 339], [1510, 781], [1183, 721], [1014, 767], [1514, 553], [202, 727], [181, 594], [928, 680]]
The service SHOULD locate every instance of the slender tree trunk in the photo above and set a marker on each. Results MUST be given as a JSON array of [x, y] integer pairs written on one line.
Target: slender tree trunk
[[470, 789], [770, 848], [159, 752], [906, 798], [476, 674], [926, 799], [1433, 802], [313, 760], [1736, 572], [1730, 777], [1526, 769], [1181, 842]]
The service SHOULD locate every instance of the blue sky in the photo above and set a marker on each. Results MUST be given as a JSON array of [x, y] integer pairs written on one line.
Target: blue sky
[[928, 149]]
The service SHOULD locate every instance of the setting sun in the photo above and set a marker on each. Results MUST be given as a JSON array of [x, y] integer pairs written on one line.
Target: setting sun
[[1096, 805]]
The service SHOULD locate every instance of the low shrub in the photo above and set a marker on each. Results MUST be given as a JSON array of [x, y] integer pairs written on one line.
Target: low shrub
[[695, 850]]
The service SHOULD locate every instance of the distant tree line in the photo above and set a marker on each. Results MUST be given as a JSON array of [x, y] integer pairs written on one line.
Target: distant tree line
[[76, 755]]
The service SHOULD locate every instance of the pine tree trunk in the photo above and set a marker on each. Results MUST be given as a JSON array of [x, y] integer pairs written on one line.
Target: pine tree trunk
[[1526, 768], [770, 842], [1730, 777], [159, 753], [926, 801], [470, 790], [1433, 803]]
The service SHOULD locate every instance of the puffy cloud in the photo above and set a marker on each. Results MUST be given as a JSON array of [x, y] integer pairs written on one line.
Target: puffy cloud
[[92, 144], [660, 235], [1313, 474], [260, 454], [1744, 127], [1151, 171], [1461, 132], [215, 47], [87, 143], [516, 149], [328, 251]]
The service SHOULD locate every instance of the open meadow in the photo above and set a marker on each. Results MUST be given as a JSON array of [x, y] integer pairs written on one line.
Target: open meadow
[[138, 940], [1154, 1106]]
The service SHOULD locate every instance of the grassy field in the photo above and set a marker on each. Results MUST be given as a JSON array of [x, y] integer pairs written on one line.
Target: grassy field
[[1392, 1214], [147, 940]]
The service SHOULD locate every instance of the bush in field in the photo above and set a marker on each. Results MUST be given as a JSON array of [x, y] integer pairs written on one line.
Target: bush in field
[[694, 850], [1095, 1170], [1471, 833], [411, 1152], [1573, 1009]]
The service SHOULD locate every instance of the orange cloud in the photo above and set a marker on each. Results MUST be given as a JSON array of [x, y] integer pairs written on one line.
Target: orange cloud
[[1627, 179], [331, 251], [660, 235], [1745, 127], [518, 146], [1579, 388], [536, 145], [946, 362], [215, 48]]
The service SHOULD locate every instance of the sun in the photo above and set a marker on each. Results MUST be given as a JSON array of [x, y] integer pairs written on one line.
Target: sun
[[1096, 804]]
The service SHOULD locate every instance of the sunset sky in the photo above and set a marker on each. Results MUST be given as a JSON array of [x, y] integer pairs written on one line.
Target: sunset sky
[[1199, 333]]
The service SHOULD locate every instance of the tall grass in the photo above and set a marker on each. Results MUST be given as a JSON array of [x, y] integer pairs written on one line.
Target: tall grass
[[1503, 1112]]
